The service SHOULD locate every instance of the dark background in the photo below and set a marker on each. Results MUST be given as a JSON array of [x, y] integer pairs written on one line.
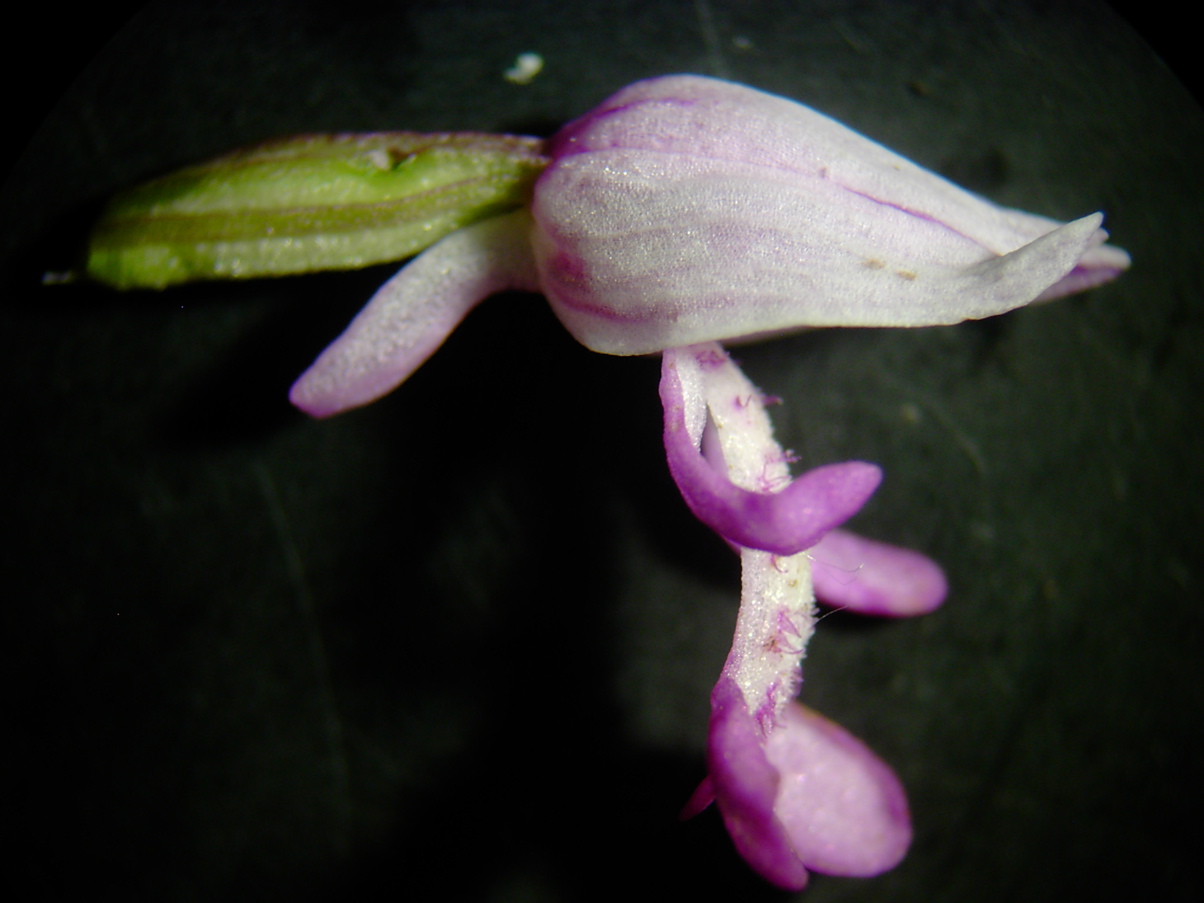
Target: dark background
[[458, 645]]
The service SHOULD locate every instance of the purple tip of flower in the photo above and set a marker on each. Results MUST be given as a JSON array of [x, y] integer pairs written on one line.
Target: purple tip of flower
[[810, 796], [875, 578], [782, 522]]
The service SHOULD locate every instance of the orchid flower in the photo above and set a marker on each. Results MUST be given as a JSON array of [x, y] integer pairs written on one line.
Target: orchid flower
[[682, 213]]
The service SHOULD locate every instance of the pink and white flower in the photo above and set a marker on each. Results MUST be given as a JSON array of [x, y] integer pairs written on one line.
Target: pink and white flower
[[684, 212]]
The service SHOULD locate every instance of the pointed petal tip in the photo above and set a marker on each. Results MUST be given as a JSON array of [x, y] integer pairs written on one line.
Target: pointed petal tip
[[700, 799], [1031, 271], [1099, 264]]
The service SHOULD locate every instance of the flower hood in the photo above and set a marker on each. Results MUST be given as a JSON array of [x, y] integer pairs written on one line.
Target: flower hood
[[686, 209]]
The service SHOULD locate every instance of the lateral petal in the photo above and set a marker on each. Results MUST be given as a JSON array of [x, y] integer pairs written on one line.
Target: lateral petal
[[412, 314], [874, 578]]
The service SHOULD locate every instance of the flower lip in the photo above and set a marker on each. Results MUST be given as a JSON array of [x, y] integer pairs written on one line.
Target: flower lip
[[810, 795], [843, 808]]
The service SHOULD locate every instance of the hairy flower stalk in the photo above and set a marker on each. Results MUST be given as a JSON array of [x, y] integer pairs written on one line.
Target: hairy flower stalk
[[681, 213], [776, 617]]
